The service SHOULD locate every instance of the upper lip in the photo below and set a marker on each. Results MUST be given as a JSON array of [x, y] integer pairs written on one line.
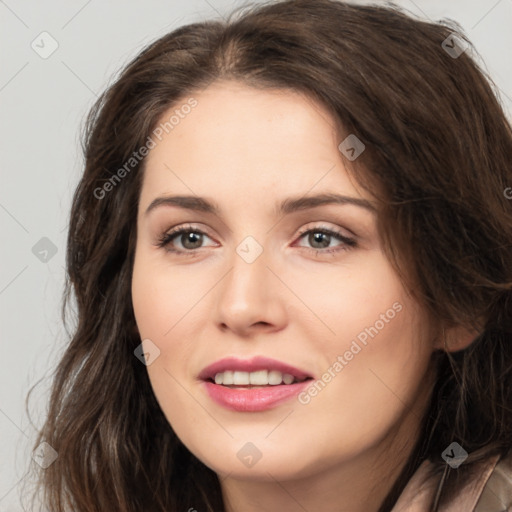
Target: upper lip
[[250, 365]]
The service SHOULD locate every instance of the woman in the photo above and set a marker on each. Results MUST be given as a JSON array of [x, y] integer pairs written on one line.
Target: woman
[[291, 254]]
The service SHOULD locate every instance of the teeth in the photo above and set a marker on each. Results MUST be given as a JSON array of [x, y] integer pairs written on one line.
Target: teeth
[[275, 378], [258, 378], [241, 378], [288, 379], [227, 379]]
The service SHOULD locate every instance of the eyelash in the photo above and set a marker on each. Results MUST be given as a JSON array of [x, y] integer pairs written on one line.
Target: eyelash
[[166, 238]]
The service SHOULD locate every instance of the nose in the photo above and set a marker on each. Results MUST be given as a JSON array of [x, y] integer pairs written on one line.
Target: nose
[[250, 298]]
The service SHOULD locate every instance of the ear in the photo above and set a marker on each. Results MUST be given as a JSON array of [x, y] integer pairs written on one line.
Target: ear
[[456, 338]]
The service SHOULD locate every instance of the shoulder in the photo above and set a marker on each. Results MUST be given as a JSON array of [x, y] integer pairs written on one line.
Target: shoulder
[[497, 492], [482, 486]]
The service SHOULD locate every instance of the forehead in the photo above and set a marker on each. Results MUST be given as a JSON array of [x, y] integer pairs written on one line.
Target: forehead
[[238, 140]]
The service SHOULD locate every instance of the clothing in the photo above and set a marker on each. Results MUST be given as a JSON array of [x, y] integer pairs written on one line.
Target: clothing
[[486, 487]]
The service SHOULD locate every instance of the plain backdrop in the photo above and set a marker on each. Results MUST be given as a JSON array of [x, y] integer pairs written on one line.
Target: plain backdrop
[[43, 101]]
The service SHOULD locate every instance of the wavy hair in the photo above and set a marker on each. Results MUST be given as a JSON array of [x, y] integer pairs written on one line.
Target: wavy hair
[[438, 161]]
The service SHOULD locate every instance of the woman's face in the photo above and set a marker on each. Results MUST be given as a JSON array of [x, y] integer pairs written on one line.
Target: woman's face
[[259, 274]]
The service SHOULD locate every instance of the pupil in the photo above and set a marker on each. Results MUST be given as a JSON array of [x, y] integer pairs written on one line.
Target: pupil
[[317, 237], [194, 239]]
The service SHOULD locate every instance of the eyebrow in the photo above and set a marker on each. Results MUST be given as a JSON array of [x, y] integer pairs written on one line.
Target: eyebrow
[[288, 206]]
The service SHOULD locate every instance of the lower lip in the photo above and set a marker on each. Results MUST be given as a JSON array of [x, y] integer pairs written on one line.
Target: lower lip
[[253, 399]]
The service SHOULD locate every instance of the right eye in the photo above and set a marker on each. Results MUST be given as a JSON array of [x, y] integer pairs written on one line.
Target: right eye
[[189, 237]]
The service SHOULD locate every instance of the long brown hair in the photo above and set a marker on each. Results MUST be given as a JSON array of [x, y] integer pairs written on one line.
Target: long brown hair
[[438, 153]]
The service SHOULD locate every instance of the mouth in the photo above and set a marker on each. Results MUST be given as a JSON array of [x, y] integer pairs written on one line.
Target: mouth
[[258, 371], [254, 385]]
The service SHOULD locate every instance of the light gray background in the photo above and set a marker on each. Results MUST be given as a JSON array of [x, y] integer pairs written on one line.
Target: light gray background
[[43, 102]]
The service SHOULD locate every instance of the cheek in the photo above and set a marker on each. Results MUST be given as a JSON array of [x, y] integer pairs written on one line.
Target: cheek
[[349, 299], [376, 348], [163, 297], [167, 308]]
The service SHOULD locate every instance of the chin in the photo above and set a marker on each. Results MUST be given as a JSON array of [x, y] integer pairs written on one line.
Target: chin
[[242, 461]]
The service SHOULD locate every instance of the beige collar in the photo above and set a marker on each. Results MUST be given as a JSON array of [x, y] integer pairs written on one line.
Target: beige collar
[[421, 490]]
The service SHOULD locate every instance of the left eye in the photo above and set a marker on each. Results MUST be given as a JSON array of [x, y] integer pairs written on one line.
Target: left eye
[[324, 237], [192, 239]]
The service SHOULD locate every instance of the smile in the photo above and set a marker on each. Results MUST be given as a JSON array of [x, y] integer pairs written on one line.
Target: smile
[[252, 385]]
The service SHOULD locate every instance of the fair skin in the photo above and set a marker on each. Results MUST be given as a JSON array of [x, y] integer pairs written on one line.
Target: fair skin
[[247, 150]]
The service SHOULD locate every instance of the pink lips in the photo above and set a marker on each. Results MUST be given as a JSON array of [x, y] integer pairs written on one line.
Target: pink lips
[[251, 399]]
